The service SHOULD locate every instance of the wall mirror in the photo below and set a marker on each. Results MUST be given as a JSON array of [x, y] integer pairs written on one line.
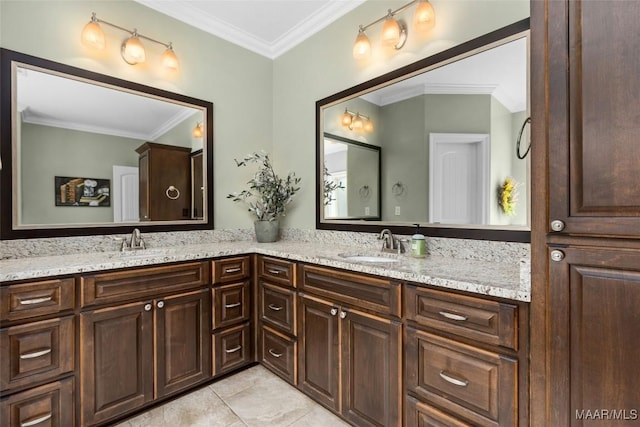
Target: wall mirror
[[85, 153], [445, 129]]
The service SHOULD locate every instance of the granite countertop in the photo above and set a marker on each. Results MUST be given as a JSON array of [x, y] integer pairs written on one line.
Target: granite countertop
[[509, 280]]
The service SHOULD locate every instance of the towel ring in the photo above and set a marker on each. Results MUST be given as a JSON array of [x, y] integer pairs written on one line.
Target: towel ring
[[397, 189], [521, 157], [174, 190], [364, 191]]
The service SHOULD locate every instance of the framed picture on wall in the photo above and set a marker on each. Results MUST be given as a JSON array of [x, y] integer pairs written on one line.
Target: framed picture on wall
[[73, 191]]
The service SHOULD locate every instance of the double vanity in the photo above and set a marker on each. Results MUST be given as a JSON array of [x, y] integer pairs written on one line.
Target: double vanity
[[91, 338]]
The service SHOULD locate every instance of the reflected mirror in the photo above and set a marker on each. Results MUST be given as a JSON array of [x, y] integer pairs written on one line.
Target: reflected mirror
[[85, 153], [445, 129]]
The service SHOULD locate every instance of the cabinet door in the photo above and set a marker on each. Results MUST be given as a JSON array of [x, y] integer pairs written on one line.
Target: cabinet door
[[593, 121], [116, 361], [595, 324], [318, 356], [183, 341], [371, 369]]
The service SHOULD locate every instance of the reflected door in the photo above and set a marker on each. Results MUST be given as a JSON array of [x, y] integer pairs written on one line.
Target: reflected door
[[459, 166], [125, 194]]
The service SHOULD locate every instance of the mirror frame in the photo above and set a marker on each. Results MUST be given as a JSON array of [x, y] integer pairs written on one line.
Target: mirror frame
[[7, 230], [422, 65]]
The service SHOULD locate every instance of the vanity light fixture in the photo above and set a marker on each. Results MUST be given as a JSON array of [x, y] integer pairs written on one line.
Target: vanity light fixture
[[132, 50], [356, 121], [198, 131], [394, 32]]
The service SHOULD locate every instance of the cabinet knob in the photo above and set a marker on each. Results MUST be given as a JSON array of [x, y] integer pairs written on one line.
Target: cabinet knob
[[160, 304], [557, 255], [557, 225], [334, 311], [147, 307], [343, 314]]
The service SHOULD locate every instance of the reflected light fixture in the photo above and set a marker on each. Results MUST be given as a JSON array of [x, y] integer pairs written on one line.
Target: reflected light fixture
[[356, 121], [132, 49], [394, 32], [198, 131]]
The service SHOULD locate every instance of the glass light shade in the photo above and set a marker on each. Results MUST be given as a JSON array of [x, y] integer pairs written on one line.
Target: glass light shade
[[198, 131], [93, 36], [390, 32], [358, 123], [362, 47], [346, 119], [133, 51], [368, 126], [170, 60], [424, 17]]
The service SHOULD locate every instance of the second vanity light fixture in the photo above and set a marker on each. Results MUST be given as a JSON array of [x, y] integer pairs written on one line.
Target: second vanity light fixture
[[394, 33], [356, 121], [132, 50]]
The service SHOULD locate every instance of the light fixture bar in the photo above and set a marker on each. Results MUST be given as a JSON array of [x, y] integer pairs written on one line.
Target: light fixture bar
[[358, 114], [390, 12], [135, 32]]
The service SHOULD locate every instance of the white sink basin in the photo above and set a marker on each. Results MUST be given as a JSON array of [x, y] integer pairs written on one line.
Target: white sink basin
[[368, 258]]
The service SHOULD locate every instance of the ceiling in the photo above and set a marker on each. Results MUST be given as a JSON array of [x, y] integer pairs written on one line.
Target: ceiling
[[267, 27]]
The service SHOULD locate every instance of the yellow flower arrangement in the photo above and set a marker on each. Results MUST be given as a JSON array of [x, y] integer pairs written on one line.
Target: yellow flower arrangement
[[508, 196]]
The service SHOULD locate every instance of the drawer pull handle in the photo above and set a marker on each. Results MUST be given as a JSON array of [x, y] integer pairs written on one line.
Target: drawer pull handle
[[35, 300], [274, 354], [453, 316], [273, 271], [235, 304], [36, 421], [275, 307], [233, 350], [35, 354], [232, 270], [454, 381]]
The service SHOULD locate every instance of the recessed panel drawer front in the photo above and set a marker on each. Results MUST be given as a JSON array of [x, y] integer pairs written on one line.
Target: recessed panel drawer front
[[124, 285], [25, 300], [277, 307], [419, 414], [369, 292], [475, 384], [231, 348], [277, 353], [36, 351], [277, 270], [231, 269], [47, 405], [231, 304], [490, 322]]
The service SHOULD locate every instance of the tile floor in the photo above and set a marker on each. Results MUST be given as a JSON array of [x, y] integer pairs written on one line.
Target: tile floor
[[253, 397]]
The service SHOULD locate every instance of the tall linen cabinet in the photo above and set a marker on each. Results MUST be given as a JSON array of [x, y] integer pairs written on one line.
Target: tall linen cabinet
[[585, 311]]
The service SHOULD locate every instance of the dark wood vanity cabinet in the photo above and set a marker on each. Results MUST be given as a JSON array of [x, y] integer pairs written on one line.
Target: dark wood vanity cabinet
[[350, 354], [586, 217], [165, 182], [37, 352], [137, 348], [231, 302]]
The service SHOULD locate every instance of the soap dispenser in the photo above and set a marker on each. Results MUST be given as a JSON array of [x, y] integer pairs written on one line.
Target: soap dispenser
[[418, 244]]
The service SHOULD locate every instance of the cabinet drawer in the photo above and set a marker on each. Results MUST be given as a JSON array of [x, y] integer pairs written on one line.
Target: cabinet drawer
[[277, 270], [487, 321], [472, 383], [277, 307], [231, 348], [36, 351], [118, 286], [419, 414], [364, 291], [25, 300], [231, 304], [277, 352], [48, 405], [231, 269]]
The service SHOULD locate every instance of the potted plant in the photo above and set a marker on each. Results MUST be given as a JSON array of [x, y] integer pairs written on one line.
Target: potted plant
[[267, 197]]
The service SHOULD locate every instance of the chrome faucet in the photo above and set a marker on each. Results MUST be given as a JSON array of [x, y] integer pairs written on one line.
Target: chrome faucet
[[135, 241], [390, 243]]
